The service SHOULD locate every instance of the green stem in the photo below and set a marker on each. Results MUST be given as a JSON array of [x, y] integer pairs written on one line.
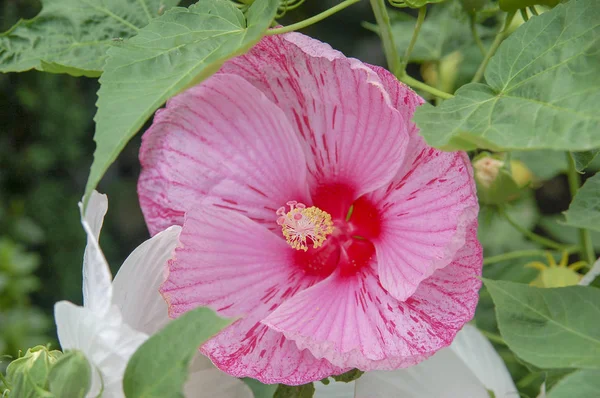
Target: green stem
[[524, 14], [387, 38], [406, 79], [312, 20], [533, 11], [413, 39], [532, 235], [585, 238], [523, 253], [476, 37], [527, 380], [493, 337], [500, 36]]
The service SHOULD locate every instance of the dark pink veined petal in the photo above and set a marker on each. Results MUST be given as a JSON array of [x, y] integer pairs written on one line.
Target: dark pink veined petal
[[424, 216], [350, 132], [355, 322], [239, 268], [221, 141]]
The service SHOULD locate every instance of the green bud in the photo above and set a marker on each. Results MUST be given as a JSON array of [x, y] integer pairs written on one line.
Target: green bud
[[71, 375], [515, 5], [28, 375], [499, 181]]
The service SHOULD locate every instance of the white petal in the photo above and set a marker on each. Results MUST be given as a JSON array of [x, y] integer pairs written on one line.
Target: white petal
[[136, 284], [105, 340], [444, 375], [335, 389], [207, 381], [97, 288], [480, 356]]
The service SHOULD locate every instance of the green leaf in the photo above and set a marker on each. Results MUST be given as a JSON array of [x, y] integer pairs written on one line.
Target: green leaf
[[554, 226], [580, 384], [542, 88], [583, 159], [303, 391], [349, 376], [73, 36], [553, 328], [175, 51], [543, 164], [70, 376], [260, 390], [159, 368], [584, 211]]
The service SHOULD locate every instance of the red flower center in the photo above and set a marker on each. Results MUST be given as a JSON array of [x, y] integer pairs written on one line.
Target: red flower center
[[334, 232]]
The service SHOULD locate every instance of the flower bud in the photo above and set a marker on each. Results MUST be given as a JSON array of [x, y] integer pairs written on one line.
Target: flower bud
[[28, 375], [71, 375], [498, 181]]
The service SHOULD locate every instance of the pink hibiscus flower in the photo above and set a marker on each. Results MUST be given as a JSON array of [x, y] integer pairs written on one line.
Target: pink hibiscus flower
[[312, 210]]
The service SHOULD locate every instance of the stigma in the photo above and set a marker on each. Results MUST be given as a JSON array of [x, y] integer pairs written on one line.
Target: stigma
[[303, 225]]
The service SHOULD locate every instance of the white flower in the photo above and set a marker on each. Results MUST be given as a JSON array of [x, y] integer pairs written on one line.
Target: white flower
[[467, 369], [116, 318]]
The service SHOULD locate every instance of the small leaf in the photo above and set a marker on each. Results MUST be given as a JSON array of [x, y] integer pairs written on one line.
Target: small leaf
[[580, 384], [303, 391], [70, 376], [583, 159], [555, 328], [584, 211], [73, 36], [542, 88], [181, 48], [159, 368], [349, 376]]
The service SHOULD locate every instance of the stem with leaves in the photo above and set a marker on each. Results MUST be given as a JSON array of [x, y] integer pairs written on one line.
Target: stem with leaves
[[500, 36], [312, 20], [395, 64], [585, 238]]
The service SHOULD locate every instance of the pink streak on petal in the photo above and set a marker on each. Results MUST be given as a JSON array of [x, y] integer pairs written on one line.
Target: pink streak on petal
[[425, 213], [350, 132], [239, 268], [221, 141], [355, 322]]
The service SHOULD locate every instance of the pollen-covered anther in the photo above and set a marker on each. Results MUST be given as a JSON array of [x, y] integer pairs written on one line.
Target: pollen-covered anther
[[302, 225]]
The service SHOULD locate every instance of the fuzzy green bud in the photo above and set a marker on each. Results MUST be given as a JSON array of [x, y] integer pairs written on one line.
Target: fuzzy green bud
[[499, 181], [71, 375], [28, 375]]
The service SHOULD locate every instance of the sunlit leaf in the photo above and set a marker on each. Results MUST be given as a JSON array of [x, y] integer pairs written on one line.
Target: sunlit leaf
[[542, 88], [175, 51], [580, 384], [73, 36], [584, 211], [555, 328]]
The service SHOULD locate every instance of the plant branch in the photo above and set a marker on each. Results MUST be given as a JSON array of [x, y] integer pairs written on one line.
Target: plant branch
[[585, 238], [406, 79], [312, 20], [500, 36], [523, 253], [493, 337], [476, 37], [532, 235], [413, 39], [387, 38]]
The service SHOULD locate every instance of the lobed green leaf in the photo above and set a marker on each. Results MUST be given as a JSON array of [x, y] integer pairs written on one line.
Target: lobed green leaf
[[541, 91], [73, 36], [580, 384], [555, 328], [584, 211], [175, 51]]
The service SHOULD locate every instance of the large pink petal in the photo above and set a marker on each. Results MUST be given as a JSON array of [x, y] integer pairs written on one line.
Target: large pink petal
[[424, 216], [355, 322], [223, 140], [239, 268], [350, 131]]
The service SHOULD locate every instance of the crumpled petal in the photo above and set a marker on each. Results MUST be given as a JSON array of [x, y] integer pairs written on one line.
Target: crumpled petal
[[106, 341], [138, 280], [222, 141], [425, 214], [97, 287], [354, 322], [239, 268], [350, 132]]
